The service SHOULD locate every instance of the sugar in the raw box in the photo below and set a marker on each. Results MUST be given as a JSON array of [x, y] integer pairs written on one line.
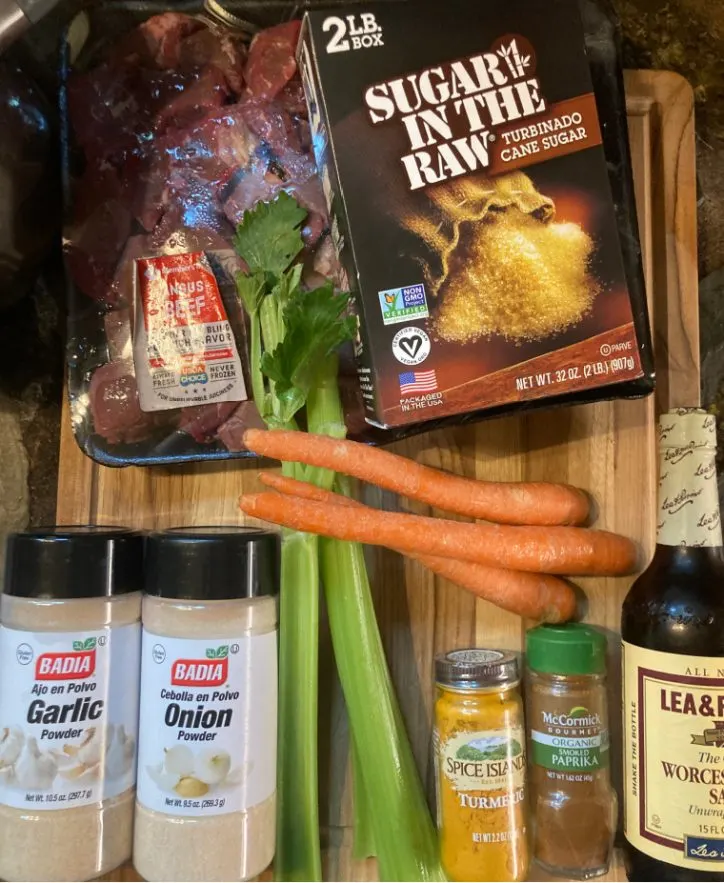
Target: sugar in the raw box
[[471, 206]]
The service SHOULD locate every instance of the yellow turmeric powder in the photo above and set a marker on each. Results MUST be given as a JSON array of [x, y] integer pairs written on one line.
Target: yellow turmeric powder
[[481, 766]]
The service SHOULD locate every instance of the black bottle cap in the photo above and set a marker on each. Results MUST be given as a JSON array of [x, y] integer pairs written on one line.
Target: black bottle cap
[[79, 561], [212, 563]]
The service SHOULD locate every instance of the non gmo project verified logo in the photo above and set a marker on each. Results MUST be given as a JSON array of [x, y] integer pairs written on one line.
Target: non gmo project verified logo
[[403, 304]]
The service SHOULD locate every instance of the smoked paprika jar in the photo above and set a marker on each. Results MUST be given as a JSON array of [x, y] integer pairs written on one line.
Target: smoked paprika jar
[[573, 805], [480, 766]]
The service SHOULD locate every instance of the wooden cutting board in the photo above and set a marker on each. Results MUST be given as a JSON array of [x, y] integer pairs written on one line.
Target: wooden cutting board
[[607, 448]]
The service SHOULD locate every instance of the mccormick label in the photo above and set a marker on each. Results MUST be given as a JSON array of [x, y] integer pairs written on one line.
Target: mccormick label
[[184, 348], [571, 745], [674, 757], [469, 199], [208, 724], [69, 716]]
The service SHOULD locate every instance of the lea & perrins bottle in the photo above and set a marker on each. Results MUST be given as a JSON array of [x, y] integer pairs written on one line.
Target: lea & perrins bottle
[[672, 629]]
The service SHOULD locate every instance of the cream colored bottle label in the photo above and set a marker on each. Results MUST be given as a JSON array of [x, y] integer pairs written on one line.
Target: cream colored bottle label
[[688, 496], [674, 757], [493, 760]]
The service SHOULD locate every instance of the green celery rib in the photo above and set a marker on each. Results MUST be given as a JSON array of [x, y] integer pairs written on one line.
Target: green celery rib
[[297, 836], [405, 840], [404, 836], [364, 841], [257, 378]]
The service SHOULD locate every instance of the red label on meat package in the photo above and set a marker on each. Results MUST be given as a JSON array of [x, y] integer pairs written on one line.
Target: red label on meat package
[[184, 348]]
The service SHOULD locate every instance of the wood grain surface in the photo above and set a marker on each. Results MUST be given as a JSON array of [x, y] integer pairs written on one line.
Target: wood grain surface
[[606, 448]]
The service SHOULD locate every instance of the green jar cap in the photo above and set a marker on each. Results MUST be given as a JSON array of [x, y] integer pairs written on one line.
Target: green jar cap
[[569, 649]]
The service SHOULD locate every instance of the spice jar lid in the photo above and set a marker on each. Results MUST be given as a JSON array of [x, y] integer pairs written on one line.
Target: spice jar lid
[[568, 649], [78, 561], [212, 563], [472, 668]]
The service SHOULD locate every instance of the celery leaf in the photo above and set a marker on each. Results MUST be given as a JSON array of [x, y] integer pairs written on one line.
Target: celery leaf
[[317, 324], [269, 235], [251, 290]]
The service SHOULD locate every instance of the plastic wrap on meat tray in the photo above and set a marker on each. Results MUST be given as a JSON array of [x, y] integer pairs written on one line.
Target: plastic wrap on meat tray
[[178, 126], [175, 125]]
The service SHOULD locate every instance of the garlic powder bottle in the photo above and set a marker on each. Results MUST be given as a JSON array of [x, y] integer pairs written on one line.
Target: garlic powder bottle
[[69, 679], [205, 807]]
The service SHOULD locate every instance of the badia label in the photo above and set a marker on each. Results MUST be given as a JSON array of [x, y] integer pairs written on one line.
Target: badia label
[[69, 716], [573, 741], [208, 724], [674, 757]]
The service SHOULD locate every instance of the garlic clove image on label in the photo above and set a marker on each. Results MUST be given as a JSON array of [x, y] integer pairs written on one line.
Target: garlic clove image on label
[[11, 744], [81, 774], [35, 769], [91, 747]]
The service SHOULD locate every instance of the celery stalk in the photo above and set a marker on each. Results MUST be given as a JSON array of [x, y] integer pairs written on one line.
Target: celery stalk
[[364, 840], [404, 836], [294, 340], [297, 851]]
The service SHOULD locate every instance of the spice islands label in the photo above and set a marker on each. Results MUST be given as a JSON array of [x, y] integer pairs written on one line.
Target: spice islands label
[[484, 762], [674, 757], [574, 742]]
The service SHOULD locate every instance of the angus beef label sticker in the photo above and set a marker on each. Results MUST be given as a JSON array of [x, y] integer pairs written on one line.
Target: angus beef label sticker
[[674, 757], [184, 348]]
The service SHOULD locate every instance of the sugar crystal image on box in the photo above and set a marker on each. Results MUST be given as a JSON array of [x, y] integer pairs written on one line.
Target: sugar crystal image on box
[[499, 261]]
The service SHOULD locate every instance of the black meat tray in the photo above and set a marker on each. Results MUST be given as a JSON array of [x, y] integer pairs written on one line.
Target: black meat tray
[[87, 346]]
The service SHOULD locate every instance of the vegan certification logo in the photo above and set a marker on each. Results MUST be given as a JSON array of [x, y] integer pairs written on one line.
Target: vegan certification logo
[[402, 304], [411, 346]]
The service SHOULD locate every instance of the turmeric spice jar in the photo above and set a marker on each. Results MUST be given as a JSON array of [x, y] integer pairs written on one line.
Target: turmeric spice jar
[[573, 803], [480, 765]]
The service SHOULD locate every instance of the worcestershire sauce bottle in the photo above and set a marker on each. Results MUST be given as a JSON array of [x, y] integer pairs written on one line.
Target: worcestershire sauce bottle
[[673, 671]]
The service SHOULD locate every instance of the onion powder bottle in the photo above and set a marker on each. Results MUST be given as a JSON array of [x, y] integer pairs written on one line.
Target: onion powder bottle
[[207, 748]]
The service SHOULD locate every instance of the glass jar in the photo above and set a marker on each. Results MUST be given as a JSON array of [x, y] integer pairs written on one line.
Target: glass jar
[[69, 674], [206, 801], [574, 807], [479, 743]]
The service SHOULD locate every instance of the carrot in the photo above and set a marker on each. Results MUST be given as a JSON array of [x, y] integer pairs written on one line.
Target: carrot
[[503, 502], [536, 596], [562, 550]]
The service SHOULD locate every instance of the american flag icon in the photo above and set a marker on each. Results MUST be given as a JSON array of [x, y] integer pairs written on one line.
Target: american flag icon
[[417, 381]]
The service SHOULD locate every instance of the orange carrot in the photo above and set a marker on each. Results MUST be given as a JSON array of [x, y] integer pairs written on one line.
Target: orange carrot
[[536, 596], [562, 550], [503, 502]]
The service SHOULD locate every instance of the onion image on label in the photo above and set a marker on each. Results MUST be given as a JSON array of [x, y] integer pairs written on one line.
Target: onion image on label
[[188, 775]]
